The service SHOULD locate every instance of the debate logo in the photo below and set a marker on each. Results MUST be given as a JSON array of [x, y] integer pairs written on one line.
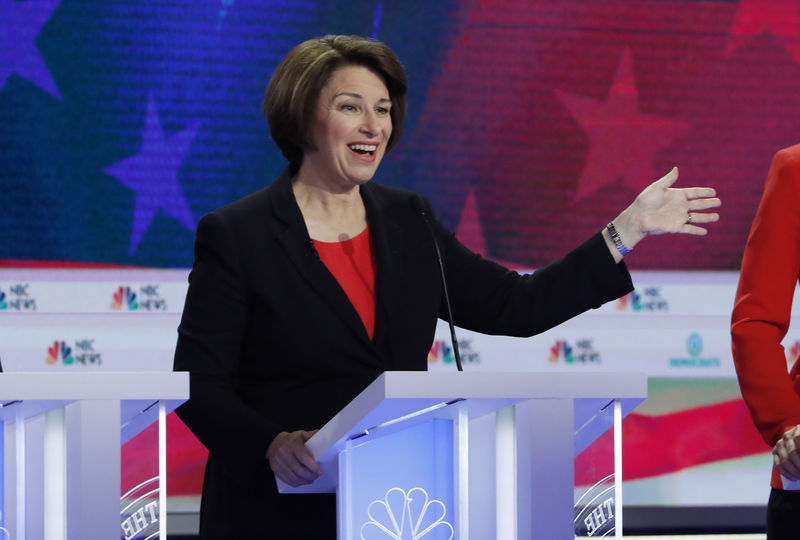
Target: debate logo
[[140, 512], [406, 516], [649, 300], [582, 353], [125, 298], [441, 351], [597, 517], [694, 346], [85, 354], [18, 298]]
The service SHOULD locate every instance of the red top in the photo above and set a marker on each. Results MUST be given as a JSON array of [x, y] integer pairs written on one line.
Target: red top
[[763, 308], [352, 263]]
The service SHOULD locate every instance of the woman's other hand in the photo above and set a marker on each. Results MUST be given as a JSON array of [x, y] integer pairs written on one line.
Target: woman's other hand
[[786, 454], [291, 461]]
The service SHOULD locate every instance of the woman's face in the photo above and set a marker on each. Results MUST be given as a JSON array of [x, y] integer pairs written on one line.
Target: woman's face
[[350, 129]]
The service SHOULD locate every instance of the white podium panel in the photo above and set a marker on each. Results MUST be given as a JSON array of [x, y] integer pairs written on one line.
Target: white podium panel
[[400, 455], [62, 436], [400, 485]]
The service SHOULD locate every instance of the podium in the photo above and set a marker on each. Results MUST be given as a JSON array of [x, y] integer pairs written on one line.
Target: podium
[[62, 435], [442, 456]]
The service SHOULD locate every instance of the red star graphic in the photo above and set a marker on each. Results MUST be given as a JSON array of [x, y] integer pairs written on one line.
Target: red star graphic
[[470, 232], [778, 17], [622, 140]]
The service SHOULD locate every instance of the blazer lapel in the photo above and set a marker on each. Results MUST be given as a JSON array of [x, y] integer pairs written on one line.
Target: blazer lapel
[[387, 239], [295, 241]]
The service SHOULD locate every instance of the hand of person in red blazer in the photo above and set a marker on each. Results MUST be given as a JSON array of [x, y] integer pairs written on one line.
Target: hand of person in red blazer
[[291, 461], [786, 454]]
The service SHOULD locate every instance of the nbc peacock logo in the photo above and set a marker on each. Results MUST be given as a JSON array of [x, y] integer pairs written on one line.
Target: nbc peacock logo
[[627, 302], [3, 303], [59, 351], [561, 351], [406, 516], [124, 298], [583, 352], [648, 299], [441, 351]]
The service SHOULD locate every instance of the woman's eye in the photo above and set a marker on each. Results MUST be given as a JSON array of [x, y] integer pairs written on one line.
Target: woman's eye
[[348, 107], [382, 110]]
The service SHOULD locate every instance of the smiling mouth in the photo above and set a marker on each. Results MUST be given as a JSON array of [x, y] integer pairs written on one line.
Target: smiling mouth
[[363, 149]]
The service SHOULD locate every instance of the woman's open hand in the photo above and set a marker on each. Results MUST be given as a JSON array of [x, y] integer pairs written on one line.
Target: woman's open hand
[[661, 209]]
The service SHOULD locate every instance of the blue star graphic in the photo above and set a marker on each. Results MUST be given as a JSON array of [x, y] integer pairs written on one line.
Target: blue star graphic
[[20, 23], [153, 175]]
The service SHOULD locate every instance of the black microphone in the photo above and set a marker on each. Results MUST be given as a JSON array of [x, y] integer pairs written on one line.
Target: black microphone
[[419, 207]]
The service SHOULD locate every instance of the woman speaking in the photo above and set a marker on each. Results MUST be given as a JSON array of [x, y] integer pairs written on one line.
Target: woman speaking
[[305, 291]]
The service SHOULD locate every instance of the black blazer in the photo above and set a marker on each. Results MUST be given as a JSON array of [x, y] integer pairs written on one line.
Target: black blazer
[[273, 344]]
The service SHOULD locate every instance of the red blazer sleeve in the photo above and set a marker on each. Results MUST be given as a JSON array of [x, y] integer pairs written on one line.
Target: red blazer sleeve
[[762, 310]]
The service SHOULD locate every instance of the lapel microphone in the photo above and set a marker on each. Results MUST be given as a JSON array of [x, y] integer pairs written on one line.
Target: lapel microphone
[[419, 207]]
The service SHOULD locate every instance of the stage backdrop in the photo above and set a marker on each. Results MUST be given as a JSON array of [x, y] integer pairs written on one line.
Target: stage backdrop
[[531, 124]]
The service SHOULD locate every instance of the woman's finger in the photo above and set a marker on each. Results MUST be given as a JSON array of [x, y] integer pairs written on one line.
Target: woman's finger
[[693, 193], [304, 457], [704, 204], [286, 475], [702, 217], [300, 472], [694, 230], [668, 179], [789, 470]]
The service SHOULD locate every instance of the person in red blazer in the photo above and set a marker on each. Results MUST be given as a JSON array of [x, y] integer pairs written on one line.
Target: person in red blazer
[[760, 319], [305, 291]]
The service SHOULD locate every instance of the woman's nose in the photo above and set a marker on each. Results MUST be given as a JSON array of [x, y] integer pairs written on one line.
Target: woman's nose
[[369, 125]]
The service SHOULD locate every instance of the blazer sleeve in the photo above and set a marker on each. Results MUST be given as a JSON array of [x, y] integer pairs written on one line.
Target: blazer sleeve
[[491, 299], [762, 310], [209, 341]]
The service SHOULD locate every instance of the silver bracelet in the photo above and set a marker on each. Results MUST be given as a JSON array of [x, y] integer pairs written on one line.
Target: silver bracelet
[[622, 248]]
